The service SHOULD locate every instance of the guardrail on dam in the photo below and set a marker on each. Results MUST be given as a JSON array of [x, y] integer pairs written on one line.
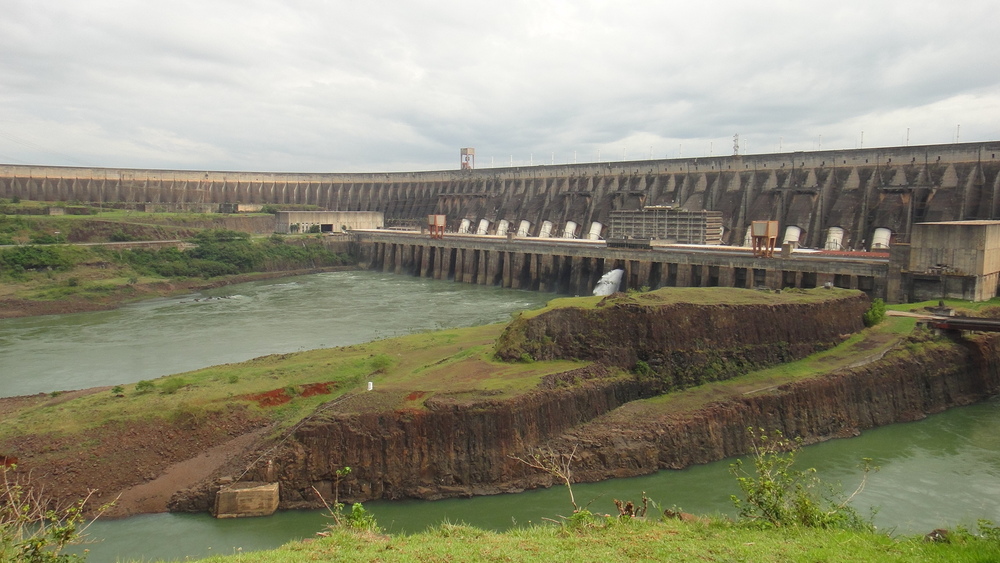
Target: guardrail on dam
[[854, 192]]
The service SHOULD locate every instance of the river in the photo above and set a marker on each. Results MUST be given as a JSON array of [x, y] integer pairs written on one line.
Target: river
[[938, 472]]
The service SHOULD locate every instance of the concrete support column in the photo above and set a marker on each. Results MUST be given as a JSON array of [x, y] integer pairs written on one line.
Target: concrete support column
[[425, 261], [822, 279], [773, 279], [460, 264], [642, 272], [472, 265], [727, 276], [386, 254], [516, 267], [484, 270], [683, 275], [545, 274], [576, 276], [508, 268]]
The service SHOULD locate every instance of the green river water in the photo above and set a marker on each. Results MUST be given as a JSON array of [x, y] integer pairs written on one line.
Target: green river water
[[938, 472]]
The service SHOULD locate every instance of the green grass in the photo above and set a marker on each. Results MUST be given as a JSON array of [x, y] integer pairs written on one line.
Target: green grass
[[456, 363], [624, 541], [697, 296], [963, 307]]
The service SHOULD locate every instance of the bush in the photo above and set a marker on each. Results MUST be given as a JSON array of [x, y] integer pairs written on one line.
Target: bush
[[172, 385], [30, 530], [875, 314], [144, 386], [22, 258], [121, 236], [777, 495]]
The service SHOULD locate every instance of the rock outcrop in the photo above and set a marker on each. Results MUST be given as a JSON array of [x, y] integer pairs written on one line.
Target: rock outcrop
[[456, 446]]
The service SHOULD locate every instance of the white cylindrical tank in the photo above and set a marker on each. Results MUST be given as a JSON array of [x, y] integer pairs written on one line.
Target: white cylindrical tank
[[792, 234], [748, 240], [524, 228], [834, 239], [595, 231], [546, 230], [484, 227], [463, 228], [570, 230], [880, 240], [502, 227]]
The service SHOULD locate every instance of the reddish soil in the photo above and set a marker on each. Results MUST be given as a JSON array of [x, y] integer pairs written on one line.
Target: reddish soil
[[271, 398], [277, 397], [145, 462]]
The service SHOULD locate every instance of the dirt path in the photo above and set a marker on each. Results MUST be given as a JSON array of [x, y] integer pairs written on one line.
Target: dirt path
[[153, 496]]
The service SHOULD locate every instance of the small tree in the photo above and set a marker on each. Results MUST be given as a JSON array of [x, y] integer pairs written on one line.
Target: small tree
[[558, 465]]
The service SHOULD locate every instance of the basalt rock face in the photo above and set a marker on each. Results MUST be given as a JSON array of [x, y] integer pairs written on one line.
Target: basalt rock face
[[449, 449], [904, 386], [456, 446], [685, 343], [461, 449]]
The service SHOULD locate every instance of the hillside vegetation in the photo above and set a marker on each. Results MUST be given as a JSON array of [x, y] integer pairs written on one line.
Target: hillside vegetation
[[57, 264]]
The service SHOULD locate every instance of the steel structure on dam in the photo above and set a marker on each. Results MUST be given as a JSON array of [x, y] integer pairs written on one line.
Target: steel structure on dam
[[853, 192]]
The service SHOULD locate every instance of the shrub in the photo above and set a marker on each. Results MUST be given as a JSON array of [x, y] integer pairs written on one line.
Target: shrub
[[875, 314], [121, 236], [144, 386], [172, 385], [777, 495], [30, 530], [380, 362]]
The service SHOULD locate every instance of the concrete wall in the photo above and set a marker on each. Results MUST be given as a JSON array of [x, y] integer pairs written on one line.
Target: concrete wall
[[968, 248], [857, 190], [333, 220], [952, 260], [242, 500]]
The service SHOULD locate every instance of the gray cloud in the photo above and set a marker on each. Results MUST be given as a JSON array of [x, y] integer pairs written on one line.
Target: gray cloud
[[344, 86]]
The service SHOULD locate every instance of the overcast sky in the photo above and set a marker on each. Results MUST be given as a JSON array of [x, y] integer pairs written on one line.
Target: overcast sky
[[350, 86]]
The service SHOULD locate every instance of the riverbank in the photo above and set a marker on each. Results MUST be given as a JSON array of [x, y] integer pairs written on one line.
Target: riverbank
[[450, 375], [125, 293]]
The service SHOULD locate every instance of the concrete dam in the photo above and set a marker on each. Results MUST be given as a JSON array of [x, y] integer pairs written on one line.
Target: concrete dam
[[856, 191], [874, 207]]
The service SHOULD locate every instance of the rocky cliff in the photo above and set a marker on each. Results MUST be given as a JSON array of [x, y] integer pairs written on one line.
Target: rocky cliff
[[460, 450], [456, 446], [919, 378], [687, 343]]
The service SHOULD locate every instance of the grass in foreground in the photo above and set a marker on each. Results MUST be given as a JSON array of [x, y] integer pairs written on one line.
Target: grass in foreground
[[626, 541]]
